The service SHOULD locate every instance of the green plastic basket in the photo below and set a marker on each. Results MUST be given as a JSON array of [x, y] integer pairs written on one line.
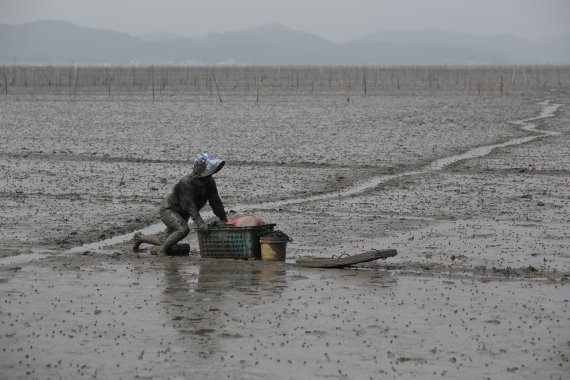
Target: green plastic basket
[[232, 242]]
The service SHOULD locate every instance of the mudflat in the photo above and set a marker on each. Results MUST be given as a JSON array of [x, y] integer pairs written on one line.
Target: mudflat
[[471, 186]]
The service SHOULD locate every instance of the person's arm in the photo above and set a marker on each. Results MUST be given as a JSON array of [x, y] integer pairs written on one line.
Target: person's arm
[[216, 202]]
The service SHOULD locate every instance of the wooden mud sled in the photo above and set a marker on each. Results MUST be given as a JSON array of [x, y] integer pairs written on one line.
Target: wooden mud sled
[[341, 262]]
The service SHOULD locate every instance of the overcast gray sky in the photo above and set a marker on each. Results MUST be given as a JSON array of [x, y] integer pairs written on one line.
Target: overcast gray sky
[[338, 20]]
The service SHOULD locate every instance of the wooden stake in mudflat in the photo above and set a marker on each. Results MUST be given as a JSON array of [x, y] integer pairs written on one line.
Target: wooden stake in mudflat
[[76, 80], [152, 75], [257, 87], [216, 83], [364, 79], [107, 83]]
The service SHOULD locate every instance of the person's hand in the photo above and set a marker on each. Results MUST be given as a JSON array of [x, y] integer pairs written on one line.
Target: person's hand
[[202, 227]]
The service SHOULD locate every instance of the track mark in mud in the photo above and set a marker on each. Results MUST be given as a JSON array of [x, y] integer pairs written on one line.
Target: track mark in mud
[[526, 124], [548, 111]]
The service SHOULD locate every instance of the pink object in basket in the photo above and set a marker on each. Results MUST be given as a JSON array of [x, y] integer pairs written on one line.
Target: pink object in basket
[[245, 221]]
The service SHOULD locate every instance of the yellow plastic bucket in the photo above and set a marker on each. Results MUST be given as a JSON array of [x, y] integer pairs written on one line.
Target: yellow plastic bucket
[[273, 248]]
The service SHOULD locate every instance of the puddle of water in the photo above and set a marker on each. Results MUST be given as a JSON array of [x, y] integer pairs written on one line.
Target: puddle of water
[[37, 254], [526, 124], [152, 229], [24, 258]]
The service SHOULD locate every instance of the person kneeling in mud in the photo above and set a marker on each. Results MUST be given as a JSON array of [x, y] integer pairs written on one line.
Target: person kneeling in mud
[[188, 196]]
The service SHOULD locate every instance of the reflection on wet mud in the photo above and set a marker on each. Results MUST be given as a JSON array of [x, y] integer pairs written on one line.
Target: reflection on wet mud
[[239, 276], [246, 315], [200, 300]]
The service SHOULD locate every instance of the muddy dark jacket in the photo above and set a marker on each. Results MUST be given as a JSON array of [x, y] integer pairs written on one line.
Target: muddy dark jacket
[[191, 194]]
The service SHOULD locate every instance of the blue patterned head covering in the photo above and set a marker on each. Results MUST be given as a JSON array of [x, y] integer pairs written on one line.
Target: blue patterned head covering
[[206, 164]]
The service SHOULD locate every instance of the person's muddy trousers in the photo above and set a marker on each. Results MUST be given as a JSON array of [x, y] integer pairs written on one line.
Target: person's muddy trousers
[[176, 229]]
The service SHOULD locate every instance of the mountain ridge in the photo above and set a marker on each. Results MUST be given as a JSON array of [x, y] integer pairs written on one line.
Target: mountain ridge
[[62, 42]]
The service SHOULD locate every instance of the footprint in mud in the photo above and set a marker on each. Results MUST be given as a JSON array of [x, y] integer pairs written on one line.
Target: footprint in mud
[[202, 332]]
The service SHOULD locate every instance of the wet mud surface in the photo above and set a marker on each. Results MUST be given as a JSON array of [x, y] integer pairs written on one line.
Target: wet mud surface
[[125, 317], [479, 287]]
